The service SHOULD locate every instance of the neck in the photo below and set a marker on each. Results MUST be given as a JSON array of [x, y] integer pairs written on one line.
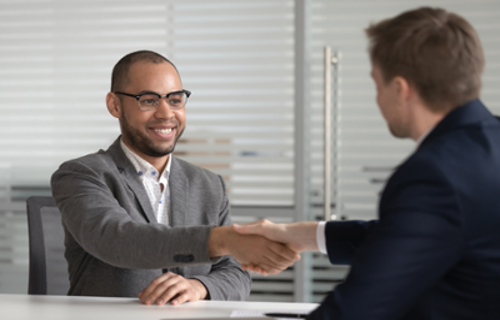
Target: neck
[[425, 124], [424, 119], [159, 163]]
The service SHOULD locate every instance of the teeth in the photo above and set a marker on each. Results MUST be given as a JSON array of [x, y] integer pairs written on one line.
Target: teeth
[[164, 131]]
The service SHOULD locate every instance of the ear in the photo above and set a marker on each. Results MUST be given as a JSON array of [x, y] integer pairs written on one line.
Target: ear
[[403, 89], [114, 105]]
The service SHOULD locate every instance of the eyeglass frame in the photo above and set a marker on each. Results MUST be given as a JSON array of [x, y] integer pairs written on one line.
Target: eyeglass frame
[[138, 97]]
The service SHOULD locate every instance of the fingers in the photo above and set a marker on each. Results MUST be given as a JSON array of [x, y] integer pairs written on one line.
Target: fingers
[[272, 231], [160, 290], [268, 255], [255, 269], [174, 288], [272, 258], [251, 228], [284, 254], [190, 295], [298, 236], [279, 256]]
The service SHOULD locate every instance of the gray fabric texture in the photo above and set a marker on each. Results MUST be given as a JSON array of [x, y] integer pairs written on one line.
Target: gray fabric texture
[[115, 247], [56, 267]]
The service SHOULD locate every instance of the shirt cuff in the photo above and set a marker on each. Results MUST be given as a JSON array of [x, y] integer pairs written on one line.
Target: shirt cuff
[[320, 237]]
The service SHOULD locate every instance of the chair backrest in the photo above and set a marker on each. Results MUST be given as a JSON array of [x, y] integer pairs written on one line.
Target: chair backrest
[[48, 272]]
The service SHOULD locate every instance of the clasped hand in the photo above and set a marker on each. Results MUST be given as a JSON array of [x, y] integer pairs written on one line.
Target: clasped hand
[[295, 237], [267, 255]]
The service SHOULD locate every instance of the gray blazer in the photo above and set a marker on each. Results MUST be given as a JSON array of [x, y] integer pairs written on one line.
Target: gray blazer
[[115, 247]]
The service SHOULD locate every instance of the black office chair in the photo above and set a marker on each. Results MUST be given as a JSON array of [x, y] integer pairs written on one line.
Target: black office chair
[[48, 272]]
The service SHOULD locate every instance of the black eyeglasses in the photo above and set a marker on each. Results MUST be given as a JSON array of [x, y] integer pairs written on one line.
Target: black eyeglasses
[[150, 100]]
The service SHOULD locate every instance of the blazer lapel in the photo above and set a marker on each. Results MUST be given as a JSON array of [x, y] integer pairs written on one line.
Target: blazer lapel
[[179, 194], [130, 177]]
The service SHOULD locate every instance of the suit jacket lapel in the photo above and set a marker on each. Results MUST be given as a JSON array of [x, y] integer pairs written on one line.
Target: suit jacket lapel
[[131, 178], [179, 194]]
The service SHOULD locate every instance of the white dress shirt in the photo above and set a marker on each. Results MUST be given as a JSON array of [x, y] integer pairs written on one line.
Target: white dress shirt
[[152, 181], [320, 237]]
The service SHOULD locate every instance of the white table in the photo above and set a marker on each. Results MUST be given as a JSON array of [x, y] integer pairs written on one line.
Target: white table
[[22, 307]]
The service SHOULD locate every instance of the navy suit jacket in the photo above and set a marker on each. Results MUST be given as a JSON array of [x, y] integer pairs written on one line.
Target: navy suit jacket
[[434, 252]]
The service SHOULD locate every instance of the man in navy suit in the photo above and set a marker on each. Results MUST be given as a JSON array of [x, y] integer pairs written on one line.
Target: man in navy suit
[[434, 252]]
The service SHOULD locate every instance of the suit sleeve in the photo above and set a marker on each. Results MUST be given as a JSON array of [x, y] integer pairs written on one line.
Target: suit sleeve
[[93, 216], [226, 280], [343, 238], [418, 238]]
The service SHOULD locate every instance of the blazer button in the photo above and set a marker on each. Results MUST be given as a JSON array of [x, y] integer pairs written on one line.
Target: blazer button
[[183, 258]]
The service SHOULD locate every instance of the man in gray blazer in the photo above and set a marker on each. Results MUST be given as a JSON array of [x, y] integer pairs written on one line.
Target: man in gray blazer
[[140, 222]]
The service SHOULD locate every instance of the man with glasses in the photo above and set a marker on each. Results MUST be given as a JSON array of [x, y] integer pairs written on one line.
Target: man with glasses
[[141, 222]]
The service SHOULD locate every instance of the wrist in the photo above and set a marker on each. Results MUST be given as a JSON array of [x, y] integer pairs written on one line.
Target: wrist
[[217, 241], [305, 232], [199, 288]]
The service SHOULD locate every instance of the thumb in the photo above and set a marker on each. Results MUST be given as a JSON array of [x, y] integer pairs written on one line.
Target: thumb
[[246, 228]]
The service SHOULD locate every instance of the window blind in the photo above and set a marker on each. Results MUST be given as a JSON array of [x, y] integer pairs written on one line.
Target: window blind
[[56, 59], [237, 58]]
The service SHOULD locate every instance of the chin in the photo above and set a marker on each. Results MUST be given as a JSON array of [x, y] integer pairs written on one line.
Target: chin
[[399, 132], [159, 152]]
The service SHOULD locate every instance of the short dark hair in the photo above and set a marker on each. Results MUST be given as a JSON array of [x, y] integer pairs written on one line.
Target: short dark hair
[[119, 77], [437, 51]]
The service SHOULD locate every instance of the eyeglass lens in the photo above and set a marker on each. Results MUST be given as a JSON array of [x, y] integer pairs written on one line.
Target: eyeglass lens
[[151, 101]]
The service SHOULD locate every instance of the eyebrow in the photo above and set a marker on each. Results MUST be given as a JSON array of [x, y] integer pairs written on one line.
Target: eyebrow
[[146, 92], [156, 93]]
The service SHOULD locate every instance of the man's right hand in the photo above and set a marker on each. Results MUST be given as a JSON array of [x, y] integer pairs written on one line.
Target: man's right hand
[[298, 236], [267, 257]]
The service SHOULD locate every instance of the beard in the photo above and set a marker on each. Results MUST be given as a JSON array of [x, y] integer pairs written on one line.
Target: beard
[[142, 143]]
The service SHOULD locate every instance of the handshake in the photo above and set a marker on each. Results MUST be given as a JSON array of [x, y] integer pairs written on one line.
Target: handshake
[[263, 246]]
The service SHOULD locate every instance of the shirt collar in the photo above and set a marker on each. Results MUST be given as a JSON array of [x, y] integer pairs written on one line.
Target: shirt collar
[[142, 166]]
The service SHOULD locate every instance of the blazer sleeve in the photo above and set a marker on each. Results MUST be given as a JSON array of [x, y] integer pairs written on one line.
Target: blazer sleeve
[[343, 238], [92, 211], [226, 280], [418, 238]]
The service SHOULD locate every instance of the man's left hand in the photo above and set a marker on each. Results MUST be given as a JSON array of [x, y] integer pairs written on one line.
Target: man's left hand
[[174, 288]]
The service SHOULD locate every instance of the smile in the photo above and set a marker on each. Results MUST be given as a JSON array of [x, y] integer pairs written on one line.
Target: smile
[[164, 131]]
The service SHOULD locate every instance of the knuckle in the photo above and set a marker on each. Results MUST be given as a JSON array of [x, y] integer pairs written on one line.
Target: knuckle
[[176, 287]]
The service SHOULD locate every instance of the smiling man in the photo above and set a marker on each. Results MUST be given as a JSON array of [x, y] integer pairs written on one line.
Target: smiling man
[[141, 222]]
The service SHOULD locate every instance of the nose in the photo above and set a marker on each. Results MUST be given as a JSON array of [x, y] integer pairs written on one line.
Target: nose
[[163, 111]]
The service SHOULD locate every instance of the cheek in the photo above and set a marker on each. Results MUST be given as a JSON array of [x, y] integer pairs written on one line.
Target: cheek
[[181, 117], [384, 106], [380, 99], [137, 119]]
